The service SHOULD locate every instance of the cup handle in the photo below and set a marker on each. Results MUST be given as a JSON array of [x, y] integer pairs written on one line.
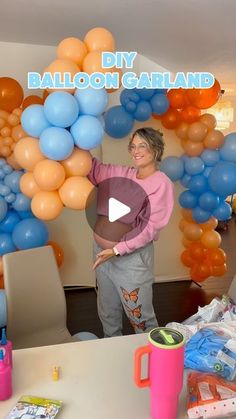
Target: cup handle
[[141, 382]]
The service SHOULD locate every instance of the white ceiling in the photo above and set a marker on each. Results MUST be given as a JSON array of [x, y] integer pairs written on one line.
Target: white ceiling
[[180, 35]]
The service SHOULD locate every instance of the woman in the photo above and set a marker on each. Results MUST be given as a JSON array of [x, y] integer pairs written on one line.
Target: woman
[[125, 282]]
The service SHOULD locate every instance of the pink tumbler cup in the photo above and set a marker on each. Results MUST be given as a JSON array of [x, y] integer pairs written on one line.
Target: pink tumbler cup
[[165, 352]]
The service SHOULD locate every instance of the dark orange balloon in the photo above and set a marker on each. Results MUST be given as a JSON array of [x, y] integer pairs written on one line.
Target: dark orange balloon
[[186, 259], [190, 114], [58, 252], [196, 251], [218, 270], [177, 98], [11, 94], [171, 119], [204, 98], [32, 100], [216, 256], [200, 272], [1, 282]]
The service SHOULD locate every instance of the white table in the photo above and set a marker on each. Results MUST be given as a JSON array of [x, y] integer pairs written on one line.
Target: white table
[[96, 379]]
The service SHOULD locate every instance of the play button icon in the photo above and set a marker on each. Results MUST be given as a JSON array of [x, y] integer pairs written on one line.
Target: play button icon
[[116, 209]]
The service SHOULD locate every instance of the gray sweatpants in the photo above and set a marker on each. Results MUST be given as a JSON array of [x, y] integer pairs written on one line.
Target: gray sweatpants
[[125, 282]]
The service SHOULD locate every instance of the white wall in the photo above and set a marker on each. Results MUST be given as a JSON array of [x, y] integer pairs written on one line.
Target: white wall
[[70, 230]]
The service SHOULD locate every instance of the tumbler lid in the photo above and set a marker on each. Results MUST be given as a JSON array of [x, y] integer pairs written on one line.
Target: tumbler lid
[[166, 338]]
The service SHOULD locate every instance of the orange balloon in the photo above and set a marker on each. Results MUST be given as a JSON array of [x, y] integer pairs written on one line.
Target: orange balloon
[[211, 224], [99, 39], [62, 66], [79, 163], [200, 272], [4, 114], [192, 148], [76, 192], [1, 266], [209, 120], [115, 70], [5, 131], [192, 232], [186, 259], [17, 133], [27, 153], [72, 49], [182, 224], [216, 256], [58, 252], [211, 239], [13, 120], [214, 139], [218, 270], [1, 282], [5, 150], [182, 131], [171, 119], [45, 95], [185, 242], [177, 98], [32, 100], [190, 114], [49, 175], [11, 160], [93, 63], [17, 111], [197, 131], [11, 94], [197, 251], [204, 98], [187, 214], [46, 205], [28, 186]]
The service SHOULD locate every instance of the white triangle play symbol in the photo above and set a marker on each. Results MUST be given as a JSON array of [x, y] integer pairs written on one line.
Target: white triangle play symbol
[[116, 209]]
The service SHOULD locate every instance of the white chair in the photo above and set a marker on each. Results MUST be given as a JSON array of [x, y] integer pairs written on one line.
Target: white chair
[[36, 304]]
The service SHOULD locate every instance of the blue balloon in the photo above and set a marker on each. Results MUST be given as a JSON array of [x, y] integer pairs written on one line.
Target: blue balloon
[[159, 103], [3, 208], [145, 94], [210, 157], [118, 122], [223, 211], [209, 201], [228, 149], [91, 101], [207, 171], [56, 143], [6, 244], [34, 121], [143, 111], [130, 106], [128, 95], [173, 167], [4, 190], [87, 132], [2, 174], [187, 199], [9, 222], [222, 179], [185, 180], [21, 203], [200, 215], [29, 233], [198, 184], [7, 169], [61, 109], [25, 214], [10, 198], [2, 162], [13, 181], [194, 166]]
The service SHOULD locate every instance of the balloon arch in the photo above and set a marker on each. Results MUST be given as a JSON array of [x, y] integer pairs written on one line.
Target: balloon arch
[[49, 137]]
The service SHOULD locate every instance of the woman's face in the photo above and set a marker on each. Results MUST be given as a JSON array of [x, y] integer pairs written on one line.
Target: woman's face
[[141, 153]]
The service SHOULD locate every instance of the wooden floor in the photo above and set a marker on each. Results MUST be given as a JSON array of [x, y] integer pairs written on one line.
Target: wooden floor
[[173, 301]]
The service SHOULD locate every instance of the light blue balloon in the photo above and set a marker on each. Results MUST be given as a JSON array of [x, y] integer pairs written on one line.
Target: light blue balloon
[[222, 179], [87, 132], [61, 109], [143, 111], [198, 184], [210, 157], [21, 203], [209, 201], [3, 208], [9, 222], [194, 166], [91, 101], [6, 244], [3, 308], [118, 122], [173, 167], [228, 149], [13, 181], [34, 121], [4, 190], [223, 211], [200, 215], [56, 143], [159, 103], [29, 233], [10, 198], [7, 169], [188, 200]]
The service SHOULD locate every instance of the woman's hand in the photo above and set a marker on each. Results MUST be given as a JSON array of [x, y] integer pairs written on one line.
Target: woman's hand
[[102, 257]]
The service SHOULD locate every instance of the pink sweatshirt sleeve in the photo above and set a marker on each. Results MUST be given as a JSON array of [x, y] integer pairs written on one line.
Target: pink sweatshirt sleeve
[[161, 206], [99, 171]]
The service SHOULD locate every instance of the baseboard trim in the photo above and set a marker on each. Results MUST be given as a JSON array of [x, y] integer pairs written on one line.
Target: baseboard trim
[[171, 278]]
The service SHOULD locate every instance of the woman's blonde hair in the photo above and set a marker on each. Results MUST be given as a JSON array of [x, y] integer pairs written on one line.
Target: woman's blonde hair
[[154, 138]]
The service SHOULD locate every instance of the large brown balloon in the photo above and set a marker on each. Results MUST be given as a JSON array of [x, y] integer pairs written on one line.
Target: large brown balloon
[[11, 94]]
